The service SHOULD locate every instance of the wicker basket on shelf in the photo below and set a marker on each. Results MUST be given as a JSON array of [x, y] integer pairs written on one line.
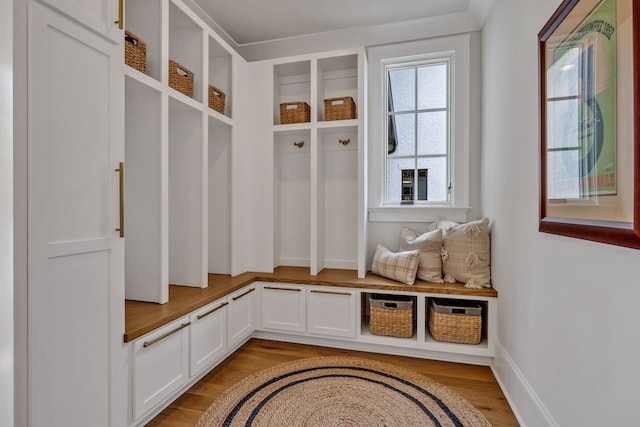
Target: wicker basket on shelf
[[180, 78], [216, 99], [135, 52], [391, 316], [455, 321], [294, 112], [339, 108]]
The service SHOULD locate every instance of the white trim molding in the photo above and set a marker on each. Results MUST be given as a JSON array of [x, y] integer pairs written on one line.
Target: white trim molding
[[417, 214], [525, 403]]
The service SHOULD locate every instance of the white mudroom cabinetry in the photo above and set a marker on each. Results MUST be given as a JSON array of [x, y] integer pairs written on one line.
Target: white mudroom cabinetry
[[319, 166], [283, 307], [331, 311], [207, 336], [160, 365], [75, 253], [241, 316], [179, 151]]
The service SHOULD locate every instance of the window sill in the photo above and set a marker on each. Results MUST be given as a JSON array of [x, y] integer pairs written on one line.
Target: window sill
[[417, 213]]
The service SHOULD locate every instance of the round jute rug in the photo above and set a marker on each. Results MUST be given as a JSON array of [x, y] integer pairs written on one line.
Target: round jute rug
[[340, 391]]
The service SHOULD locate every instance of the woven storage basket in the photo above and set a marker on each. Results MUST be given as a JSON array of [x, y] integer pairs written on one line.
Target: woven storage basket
[[180, 78], [294, 112], [216, 99], [391, 316], [455, 321], [135, 52], [339, 108]]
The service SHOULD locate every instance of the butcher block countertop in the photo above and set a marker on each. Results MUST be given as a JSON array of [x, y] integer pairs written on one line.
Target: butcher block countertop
[[144, 317]]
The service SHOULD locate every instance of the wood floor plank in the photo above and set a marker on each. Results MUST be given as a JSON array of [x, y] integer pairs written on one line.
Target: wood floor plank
[[475, 383]]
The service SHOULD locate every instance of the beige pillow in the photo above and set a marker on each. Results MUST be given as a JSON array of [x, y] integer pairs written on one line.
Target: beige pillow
[[430, 246], [400, 266], [466, 254]]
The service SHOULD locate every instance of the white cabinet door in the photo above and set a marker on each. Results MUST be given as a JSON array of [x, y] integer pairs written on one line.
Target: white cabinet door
[[283, 307], [76, 356], [332, 312], [240, 315], [160, 365], [207, 336], [99, 15]]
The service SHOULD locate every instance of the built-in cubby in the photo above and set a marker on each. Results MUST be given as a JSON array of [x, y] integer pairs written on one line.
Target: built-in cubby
[[186, 210], [337, 198], [292, 194], [337, 78], [185, 46], [144, 18], [220, 73], [291, 83], [219, 197], [391, 299], [178, 154], [330, 226], [484, 319], [145, 276]]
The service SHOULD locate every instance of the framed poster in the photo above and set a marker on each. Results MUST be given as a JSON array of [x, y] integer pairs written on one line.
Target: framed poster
[[589, 136]]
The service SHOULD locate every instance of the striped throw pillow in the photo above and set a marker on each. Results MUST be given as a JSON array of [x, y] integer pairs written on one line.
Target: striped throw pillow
[[399, 266]]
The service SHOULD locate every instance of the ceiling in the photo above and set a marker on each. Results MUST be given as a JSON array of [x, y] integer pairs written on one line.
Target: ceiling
[[248, 22]]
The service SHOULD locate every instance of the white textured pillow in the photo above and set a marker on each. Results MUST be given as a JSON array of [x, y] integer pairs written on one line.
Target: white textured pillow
[[400, 266], [466, 254], [430, 246]]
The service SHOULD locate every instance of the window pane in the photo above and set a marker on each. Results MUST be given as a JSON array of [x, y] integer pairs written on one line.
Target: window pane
[[405, 126], [432, 133], [403, 87], [436, 177], [432, 87], [563, 77], [563, 123], [394, 177], [563, 174]]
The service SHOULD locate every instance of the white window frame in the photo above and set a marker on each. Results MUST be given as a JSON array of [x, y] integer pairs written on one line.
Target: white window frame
[[412, 63], [458, 47]]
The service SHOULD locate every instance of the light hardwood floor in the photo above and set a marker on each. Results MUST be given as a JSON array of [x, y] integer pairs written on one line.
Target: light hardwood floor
[[476, 383]]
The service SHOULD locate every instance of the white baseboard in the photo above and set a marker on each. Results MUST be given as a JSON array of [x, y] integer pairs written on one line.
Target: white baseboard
[[525, 403]]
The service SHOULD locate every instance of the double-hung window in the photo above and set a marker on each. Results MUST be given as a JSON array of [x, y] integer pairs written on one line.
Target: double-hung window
[[418, 133], [420, 128]]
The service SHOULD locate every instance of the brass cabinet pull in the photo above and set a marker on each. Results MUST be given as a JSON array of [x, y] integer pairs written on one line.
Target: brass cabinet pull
[[120, 171], [201, 316], [348, 294], [161, 337], [282, 289], [246, 293], [120, 20]]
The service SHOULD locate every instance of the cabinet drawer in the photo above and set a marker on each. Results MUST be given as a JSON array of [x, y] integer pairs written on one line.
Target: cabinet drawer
[[332, 311], [207, 336], [160, 365], [240, 315], [283, 307]]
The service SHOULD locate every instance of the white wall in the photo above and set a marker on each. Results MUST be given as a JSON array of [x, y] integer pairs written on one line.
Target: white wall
[[6, 214], [568, 353]]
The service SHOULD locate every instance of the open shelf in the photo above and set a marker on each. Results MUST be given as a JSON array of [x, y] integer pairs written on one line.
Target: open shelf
[[220, 72], [185, 47], [292, 199], [186, 196], [337, 198], [219, 195], [292, 83], [337, 78], [144, 19], [145, 279]]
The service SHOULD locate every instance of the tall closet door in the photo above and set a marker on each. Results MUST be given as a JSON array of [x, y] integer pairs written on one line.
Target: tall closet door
[[76, 368], [101, 16]]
